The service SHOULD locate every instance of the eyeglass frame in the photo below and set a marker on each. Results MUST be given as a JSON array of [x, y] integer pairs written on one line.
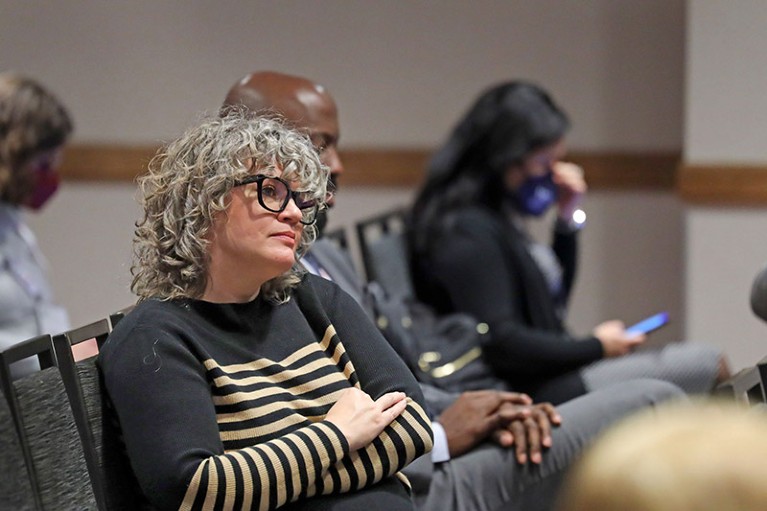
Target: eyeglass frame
[[291, 194]]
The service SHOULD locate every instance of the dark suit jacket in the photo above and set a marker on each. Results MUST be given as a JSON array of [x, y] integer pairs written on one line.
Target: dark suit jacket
[[341, 269], [339, 266]]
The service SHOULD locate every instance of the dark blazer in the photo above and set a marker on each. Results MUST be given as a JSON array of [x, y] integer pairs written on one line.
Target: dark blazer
[[340, 267], [478, 263]]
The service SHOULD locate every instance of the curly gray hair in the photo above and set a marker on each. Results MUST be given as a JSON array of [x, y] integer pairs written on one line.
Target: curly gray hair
[[189, 181]]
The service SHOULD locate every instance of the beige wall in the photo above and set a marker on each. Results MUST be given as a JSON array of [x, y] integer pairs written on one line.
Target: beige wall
[[402, 72], [726, 116], [726, 113]]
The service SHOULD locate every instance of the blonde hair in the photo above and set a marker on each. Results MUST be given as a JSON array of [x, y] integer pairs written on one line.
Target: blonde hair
[[32, 120], [188, 182], [688, 457]]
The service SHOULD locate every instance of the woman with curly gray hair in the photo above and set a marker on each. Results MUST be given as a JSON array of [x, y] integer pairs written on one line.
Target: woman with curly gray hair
[[34, 126], [238, 381], [187, 187]]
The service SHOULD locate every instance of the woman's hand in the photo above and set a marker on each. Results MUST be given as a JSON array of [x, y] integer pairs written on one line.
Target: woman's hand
[[571, 186], [615, 340], [361, 419]]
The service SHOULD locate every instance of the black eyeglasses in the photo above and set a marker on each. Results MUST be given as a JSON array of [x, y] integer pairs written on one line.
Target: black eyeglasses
[[275, 193]]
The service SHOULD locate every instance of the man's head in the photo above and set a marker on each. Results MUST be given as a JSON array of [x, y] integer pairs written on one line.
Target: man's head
[[303, 103]]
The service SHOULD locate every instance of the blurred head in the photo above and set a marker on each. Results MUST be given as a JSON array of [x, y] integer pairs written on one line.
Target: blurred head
[[304, 104], [702, 457], [203, 205], [34, 126]]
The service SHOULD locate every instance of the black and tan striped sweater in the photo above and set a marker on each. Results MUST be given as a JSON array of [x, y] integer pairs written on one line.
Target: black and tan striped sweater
[[222, 406]]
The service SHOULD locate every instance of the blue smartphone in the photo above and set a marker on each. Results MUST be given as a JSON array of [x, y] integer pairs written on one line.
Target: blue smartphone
[[649, 324]]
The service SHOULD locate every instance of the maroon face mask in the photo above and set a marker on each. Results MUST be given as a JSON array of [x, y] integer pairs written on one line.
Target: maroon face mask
[[45, 179], [46, 183]]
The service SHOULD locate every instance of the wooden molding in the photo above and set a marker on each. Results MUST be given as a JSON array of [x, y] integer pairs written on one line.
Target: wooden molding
[[628, 170], [93, 162], [604, 170], [384, 167], [388, 166], [723, 184]]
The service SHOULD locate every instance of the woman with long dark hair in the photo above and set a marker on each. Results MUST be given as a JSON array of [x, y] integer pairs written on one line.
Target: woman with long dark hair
[[471, 252]]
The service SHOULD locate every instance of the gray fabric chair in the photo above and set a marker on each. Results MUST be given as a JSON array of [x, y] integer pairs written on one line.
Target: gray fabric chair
[[745, 386], [15, 487], [46, 428], [116, 316], [761, 366], [39, 348], [384, 253], [114, 485], [338, 236]]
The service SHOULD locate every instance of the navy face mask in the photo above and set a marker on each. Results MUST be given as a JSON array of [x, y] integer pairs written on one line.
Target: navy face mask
[[536, 195]]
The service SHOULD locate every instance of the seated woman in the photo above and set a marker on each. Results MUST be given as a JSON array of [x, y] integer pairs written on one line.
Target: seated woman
[[34, 128], [238, 381], [471, 253]]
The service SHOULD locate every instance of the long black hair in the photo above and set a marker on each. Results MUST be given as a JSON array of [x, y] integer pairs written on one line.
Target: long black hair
[[505, 124]]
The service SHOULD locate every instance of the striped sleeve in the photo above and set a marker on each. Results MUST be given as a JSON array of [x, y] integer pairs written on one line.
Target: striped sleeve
[[269, 474], [307, 462], [401, 442]]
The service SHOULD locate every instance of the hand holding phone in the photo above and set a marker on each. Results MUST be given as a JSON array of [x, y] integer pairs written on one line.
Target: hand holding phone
[[649, 324]]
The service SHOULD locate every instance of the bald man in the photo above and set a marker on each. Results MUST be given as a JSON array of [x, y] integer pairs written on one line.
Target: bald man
[[306, 104], [309, 107], [492, 449]]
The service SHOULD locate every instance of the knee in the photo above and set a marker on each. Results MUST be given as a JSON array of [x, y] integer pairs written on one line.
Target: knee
[[650, 391]]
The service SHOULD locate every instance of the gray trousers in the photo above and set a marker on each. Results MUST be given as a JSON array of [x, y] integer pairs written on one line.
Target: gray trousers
[[488, 477], [691, 366]]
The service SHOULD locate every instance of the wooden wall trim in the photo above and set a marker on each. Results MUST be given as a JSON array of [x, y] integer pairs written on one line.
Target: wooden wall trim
[[388, 167], [628, 170], [726, 185], [384, 167], [94, 162], [604, 170]]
